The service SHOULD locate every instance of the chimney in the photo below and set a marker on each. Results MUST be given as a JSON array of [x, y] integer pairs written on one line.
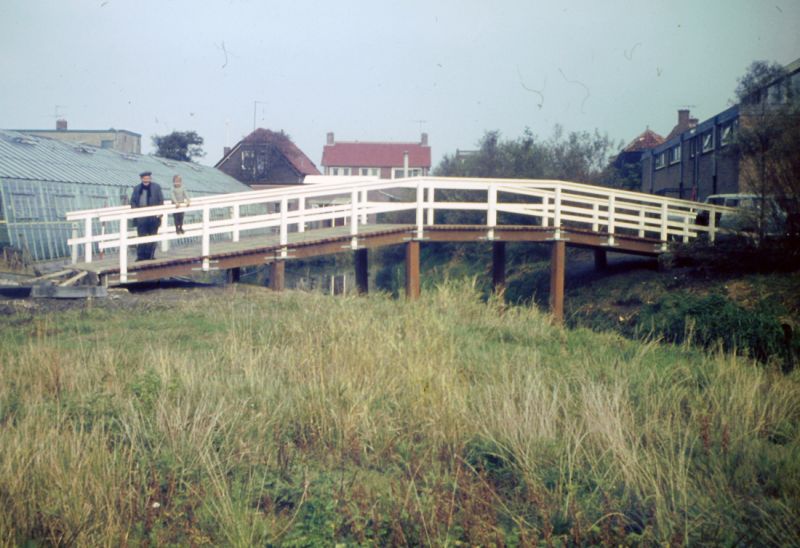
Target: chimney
[[405, 163], [424, 140], [226, 151], [683, 117], [330, 137], [61, 125]]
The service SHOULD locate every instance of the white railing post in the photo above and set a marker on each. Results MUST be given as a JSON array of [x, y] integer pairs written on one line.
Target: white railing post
[[611, 218], [557, 213], [206, 238], [236, 216], [74, 243], [685, 229], [712, 226], [420, 205], [641, 223], [431, 200], [162, 229], [123, 249], [354, 219], [545, 207], [364, 199], [664, 227], [595, 217], [284, 229], [491, 211], [87, 238], [301, 208]]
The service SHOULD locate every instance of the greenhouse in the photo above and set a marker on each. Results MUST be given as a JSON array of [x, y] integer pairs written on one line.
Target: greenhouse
[[42, 179]]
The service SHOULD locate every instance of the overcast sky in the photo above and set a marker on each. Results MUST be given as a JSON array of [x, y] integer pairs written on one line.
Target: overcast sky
[[373, 70]]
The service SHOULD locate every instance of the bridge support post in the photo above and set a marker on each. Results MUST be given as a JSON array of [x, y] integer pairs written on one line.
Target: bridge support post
[[412, 270], [232, 275], [277, 275], [360, 259], [600, 259], [498, 266], [557, 269]]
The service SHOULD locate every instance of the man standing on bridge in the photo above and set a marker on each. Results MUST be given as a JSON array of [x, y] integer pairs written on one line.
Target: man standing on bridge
[[146, 193]]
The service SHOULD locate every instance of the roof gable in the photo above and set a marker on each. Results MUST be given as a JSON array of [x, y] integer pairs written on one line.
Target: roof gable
[[296, 157], [648, 139]]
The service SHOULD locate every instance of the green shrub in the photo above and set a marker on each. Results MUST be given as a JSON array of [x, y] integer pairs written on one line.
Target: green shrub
[[714, 319]]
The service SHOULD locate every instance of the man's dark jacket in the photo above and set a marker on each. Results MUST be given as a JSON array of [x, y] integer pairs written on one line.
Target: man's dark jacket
[[156, 197]]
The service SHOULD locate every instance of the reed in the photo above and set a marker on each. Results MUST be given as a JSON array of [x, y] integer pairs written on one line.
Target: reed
[[243, 417]]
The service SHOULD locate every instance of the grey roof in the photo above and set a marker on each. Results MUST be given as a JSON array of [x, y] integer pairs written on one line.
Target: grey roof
[[42, 159]]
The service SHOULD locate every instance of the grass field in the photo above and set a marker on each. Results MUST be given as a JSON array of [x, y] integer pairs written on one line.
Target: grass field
[[242, 417]]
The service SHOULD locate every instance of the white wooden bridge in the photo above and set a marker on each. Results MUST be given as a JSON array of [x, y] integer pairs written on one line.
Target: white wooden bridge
[[272, 226]]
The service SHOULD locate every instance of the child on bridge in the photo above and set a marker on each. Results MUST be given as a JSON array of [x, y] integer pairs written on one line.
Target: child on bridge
[[180, 198]]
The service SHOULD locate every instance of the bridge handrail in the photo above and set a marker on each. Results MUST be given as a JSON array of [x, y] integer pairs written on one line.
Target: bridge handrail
[[553, 202]]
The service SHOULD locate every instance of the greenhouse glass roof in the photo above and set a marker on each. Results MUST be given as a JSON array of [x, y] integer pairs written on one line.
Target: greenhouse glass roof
[[41, 179]]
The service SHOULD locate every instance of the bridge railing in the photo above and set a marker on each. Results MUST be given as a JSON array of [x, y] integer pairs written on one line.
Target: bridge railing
[[274, 213]]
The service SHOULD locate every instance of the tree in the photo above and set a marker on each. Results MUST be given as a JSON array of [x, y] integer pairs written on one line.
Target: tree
[[179, 145], [578, 156], [768, 141]]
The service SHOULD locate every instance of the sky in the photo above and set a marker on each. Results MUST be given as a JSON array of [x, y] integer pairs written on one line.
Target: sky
[[380, 70]]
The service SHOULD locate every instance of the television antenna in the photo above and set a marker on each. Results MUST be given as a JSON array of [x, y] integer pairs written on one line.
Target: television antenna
[[56, 114], [255, 105], [420, 122]]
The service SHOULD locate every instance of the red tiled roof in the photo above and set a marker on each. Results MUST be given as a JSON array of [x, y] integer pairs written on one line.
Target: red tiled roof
[[294, 155], [354, 154], [647, 140]]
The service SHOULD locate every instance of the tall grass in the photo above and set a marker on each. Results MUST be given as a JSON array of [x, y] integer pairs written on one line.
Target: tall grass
[[245, 417]]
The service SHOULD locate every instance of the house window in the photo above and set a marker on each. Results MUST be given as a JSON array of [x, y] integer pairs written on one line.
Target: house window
[[675, 154], [334, 171], [399, 172], [247, 159], [364, 171], [726, 134], [261, 164], [661, 160], [708, 141]]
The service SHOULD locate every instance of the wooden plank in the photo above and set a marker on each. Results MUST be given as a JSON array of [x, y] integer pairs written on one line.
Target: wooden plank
[[76, 278], [58, 274]]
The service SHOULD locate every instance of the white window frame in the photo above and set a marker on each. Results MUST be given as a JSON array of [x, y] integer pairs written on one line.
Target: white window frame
[[726, 134], [675, 154], [707, 140]]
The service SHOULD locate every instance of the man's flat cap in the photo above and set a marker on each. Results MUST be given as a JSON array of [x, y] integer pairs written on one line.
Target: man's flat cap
[[145, 173]]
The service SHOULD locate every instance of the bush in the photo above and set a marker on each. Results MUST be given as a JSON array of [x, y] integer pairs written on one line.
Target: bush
[[714, 319]]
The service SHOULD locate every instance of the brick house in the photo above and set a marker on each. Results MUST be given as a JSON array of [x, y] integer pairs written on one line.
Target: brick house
[[380, 159], [698, 159], [266, 158]]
